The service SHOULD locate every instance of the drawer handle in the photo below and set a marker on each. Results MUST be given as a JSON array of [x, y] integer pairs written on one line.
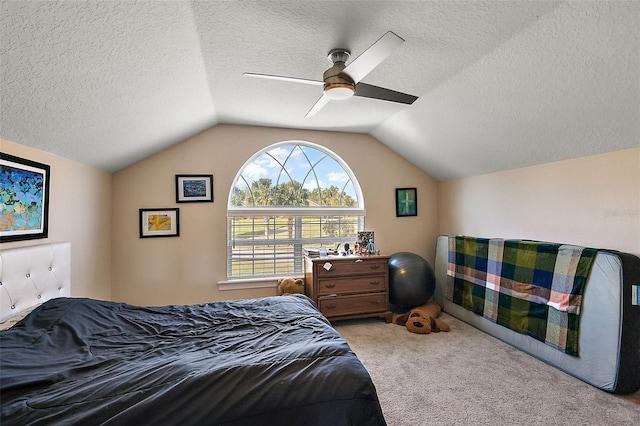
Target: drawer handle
[[375, 302], [331, 306], [374, 283], [374, 266], [329, 285], [359, 260]]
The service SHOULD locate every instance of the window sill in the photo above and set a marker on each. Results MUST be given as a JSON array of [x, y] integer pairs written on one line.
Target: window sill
[[247, 283]]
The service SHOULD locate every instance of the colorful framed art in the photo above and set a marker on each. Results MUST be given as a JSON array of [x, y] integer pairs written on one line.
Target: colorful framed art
[[406, 202], [159, 223], [194, 188], [24, 199]]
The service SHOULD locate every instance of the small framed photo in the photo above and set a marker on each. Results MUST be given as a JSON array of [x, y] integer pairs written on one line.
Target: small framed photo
[[366, 242], [24, 196], [194, 188], [406, 202], [159, 223]]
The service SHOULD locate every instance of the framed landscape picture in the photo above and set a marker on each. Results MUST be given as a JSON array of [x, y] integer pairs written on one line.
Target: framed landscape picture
[[406, 202], [194, 188], [24, 199], [159, 223]]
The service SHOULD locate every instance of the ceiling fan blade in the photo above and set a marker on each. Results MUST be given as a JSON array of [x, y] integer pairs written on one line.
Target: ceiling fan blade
[[283, 78], [320, 103], [375, 92], [373, 56]]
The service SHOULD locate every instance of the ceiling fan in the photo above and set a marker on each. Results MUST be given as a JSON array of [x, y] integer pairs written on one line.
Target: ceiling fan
[[342, 81]]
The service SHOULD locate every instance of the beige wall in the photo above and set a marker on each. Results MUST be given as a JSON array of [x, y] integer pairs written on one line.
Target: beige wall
[[592, 201], [79, 212], [187, 269]]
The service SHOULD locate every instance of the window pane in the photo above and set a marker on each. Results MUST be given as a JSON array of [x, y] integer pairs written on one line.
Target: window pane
[[262, 260], [284, 179], [273, 245], [292, 175]]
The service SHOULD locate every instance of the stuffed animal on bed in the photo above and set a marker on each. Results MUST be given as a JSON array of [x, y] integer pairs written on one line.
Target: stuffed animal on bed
[[424, 319], [287, 286]]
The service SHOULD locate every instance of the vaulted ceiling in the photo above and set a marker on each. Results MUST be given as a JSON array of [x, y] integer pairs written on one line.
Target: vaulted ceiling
[[501, 84]]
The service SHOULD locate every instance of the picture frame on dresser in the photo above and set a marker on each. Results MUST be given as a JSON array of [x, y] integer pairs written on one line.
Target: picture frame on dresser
[[194, 188], [162, 222], [364, 239], [24, 193]]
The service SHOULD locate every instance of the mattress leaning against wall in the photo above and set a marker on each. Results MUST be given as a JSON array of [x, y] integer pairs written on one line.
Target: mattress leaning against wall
[[609, 339]]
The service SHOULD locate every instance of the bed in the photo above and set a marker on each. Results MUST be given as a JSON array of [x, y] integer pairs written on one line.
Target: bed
[[609, 322], [273, 360]]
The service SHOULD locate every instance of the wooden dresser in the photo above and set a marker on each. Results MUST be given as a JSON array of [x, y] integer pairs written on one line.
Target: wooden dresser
[[349, 287]]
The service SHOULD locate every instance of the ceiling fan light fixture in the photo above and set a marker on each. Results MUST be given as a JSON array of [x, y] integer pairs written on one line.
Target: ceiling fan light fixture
[[340, 80], [339, 92]]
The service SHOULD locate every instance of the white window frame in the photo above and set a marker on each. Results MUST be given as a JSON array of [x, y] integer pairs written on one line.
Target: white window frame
[[262, 211]]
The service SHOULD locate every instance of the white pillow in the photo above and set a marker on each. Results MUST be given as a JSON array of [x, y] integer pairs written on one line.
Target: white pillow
[[11, 321]]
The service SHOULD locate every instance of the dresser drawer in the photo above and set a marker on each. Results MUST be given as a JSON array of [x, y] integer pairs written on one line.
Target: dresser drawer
[[355, 304], [351, 267], [358, 284]]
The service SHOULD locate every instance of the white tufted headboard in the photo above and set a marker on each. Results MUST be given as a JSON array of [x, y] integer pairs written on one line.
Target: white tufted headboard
[[32, 275]]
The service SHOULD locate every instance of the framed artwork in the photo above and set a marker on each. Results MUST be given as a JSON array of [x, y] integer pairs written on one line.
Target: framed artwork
[[194, 188], [24, 199], [159, 223], [406, 202]]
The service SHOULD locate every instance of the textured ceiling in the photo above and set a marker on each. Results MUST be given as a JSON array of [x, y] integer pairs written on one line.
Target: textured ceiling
[[502, 84]]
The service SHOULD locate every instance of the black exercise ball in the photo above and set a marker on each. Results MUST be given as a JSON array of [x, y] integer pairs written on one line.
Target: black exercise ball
[[411, 280]]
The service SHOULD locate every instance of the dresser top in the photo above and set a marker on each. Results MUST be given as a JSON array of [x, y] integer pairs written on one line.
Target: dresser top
[[333, 258]]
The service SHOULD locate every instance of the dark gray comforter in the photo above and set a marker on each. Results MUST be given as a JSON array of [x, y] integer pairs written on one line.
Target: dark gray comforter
[[265, 361]]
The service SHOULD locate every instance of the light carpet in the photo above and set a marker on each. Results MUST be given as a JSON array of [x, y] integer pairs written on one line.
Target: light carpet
[[466, 377]]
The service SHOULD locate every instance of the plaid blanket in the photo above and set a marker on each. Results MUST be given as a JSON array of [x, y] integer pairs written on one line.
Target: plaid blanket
[[533, 288]]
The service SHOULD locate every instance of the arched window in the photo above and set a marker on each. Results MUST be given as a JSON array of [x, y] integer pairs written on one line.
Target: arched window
[[289, 197]]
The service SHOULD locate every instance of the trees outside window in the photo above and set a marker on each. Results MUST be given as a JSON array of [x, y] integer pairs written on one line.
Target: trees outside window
[[288, 197]]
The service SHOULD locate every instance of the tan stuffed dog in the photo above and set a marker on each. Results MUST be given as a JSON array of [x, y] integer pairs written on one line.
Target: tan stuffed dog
[[288, 286], [424, 319]]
